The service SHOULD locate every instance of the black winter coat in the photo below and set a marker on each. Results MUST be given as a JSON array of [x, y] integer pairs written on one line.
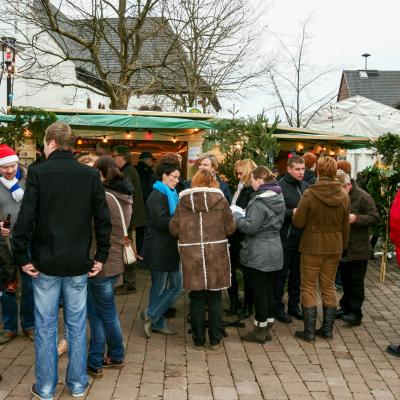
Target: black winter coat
[[147, 179], [234, 240], [309, 177], [62, 198], [8, 271], [137, 218], [292, 190], [160, 249]]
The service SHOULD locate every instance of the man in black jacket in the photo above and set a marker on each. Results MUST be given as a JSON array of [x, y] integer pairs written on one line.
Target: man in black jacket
[[123, 159], [293, 187], [52, 238], [146, 173]]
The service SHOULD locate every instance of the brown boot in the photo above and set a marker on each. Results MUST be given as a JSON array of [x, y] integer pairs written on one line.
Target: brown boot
[[258, 334]]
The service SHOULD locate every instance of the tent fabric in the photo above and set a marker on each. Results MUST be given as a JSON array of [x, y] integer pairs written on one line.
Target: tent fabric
[[356, 116], [125, 122]]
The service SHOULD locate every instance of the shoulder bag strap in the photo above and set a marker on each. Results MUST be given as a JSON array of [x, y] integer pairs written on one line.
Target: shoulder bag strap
[[121, 212]]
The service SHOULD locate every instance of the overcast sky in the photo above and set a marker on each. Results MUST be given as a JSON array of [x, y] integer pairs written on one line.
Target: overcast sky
[[342, 30]]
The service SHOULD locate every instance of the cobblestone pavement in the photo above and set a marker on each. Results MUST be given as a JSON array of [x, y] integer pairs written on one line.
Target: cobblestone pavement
[[352, 366]]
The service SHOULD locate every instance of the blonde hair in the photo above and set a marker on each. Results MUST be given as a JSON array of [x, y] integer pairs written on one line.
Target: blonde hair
[[248, 166], [211, 157], [204, 178], [88, 159]]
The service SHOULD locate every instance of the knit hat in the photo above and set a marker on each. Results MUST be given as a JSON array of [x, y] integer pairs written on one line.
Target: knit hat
[[7, 155]]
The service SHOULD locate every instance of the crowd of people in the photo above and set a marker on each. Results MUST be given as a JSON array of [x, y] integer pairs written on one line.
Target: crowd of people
[[70, 215]]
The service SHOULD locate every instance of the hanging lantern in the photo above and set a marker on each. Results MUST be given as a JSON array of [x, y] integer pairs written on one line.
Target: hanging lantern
[[148, 135]]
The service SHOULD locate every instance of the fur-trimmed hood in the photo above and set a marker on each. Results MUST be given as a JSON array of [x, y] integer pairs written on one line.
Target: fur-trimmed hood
[[202, 199]]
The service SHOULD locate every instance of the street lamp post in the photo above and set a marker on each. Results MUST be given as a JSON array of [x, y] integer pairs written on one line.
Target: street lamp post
[[8, 49]]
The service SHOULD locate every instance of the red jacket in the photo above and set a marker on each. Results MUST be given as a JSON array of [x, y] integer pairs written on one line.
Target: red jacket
[[395, 224]]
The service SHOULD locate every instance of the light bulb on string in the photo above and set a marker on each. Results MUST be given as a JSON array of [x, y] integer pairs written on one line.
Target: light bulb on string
[[104, 139], [79, 141], [174, 139]]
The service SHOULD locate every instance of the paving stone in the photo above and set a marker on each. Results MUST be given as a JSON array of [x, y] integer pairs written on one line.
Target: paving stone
[[354, 365]]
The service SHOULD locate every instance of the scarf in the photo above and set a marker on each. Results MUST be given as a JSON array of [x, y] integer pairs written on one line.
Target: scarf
[[12, 185], [171, 194], [270, 186], [237, 193]]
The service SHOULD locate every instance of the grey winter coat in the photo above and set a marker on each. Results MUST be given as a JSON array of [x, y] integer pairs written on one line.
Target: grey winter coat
[[262, 247]]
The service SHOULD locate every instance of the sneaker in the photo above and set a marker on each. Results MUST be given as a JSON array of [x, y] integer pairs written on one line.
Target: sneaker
[[62, 347], [165, 331], [146, 323], [82, 393], [36, 394], [96, 373], [6, 336], [110, 363], [30, 333]]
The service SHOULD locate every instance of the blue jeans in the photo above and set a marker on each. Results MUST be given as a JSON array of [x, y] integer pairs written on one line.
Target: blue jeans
[[104, 322], [162, 296], [47, 290], [10, 308]]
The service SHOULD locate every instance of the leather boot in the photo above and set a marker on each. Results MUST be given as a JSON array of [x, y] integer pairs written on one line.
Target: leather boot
[[325, 331], [310, 320], [268, 332], [258, 334]]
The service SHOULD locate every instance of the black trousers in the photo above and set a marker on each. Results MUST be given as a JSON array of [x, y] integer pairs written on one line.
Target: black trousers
[[353, 274], [139, 238], [199, 299], [290, 272], [233, 290], [262, 288]]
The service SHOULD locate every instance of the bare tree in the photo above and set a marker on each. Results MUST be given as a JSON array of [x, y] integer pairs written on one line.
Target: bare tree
[[294, 79], [218, 49], [107, 42], [184, 49]]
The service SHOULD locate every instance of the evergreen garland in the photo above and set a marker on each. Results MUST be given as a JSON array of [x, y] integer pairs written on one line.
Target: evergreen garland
[[33, 119], [240, 139]]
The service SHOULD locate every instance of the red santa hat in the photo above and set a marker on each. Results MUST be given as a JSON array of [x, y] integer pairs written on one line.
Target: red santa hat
[[7, 155]]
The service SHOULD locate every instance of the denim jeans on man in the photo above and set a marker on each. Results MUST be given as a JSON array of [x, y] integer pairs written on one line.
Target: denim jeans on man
[[47, 290], [10, 308], [104, 322], [161, 296]]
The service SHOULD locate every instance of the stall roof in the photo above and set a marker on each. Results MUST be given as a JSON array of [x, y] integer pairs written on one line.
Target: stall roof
[[128, 121], [142, 120], [301, 134]]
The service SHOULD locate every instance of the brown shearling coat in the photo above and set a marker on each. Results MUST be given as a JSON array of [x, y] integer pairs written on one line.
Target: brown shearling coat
[[202, 222], [323, 214]]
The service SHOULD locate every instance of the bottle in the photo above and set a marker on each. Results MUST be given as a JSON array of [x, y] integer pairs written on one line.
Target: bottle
[[7, 222]]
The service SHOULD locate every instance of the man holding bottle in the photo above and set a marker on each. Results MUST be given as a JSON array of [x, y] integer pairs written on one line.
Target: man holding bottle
[[12, 185]]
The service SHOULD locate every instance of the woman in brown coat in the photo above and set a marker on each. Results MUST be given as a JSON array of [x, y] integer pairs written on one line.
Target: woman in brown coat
[[323, 214], [105, 328], [202, 222]]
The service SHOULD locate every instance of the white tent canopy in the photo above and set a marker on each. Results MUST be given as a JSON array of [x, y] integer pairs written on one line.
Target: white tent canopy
[[357, 116]]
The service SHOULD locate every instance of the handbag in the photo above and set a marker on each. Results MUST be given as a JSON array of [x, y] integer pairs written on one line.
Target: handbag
[[128, 253]]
